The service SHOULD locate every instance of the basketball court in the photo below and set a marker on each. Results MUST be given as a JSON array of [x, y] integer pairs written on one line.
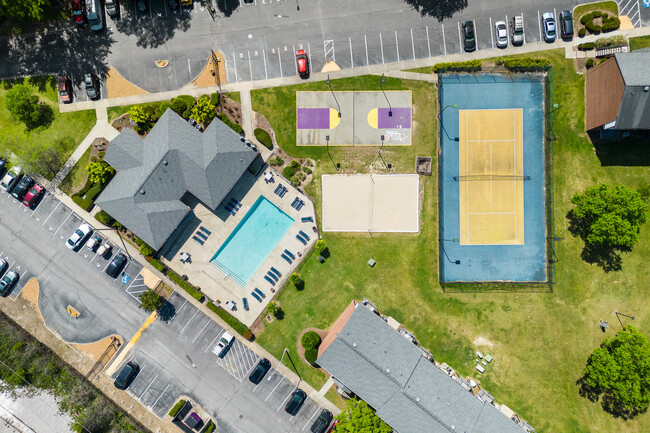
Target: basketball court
[[365, 118], [371, 203]]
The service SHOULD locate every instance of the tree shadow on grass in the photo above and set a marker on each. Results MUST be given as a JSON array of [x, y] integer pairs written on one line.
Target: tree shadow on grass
[[607, 258], [608, 402]]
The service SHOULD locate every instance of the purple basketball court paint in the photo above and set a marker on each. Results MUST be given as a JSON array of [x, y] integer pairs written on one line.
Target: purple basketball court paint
[[313, 118], [401, 118]]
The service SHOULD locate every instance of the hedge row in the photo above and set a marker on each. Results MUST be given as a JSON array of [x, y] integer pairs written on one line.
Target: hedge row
[[264, 138], [524, 64], [189, 288], [231, 320], [158, 265], [608, 23], [469, 66], [86, 197], [234, 126], [176, 408], [586, 46], [105, 218]]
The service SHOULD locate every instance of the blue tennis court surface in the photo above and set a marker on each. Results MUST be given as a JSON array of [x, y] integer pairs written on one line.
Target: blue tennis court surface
[[525, 262]]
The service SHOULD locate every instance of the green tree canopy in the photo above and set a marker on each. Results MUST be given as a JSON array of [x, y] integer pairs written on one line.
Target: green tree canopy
[[203, 111], [151, 301], [359, 418], [138, 114], [618, 373], [30, 9], [23, 105], [41, 155], [99, 172]]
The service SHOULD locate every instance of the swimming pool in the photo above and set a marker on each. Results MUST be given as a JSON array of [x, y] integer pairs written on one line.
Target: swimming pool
[[252, 241]]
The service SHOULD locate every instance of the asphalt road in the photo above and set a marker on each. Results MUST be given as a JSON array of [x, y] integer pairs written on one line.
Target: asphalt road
[[175, 351], [258, 40]]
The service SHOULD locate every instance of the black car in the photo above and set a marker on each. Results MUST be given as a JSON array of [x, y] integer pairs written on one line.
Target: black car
[[323, 421], [116, 265], [173, 4], [112, 8], [23, 186], [469, 38], [8, 282], [260, 371], [566, 24], [295, 402], [126, 376], [142, 6]]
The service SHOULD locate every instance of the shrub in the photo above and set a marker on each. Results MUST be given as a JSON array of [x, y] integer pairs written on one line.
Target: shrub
[[582, 32], [264, 138], [190, 102], [231, 320], [151, 301], [186, 114], [307, 170], [612, 24], [189, 288], [89, 184], [104, 218], [214, 99], [138, 114], [209, 428], [597, 14], [524, 64], [146, 250], [321, 246], [99, 172], [590, 63], [203, 111], [586, 46], [178, 105], [83, 203], [300, 175], [296, 281], [310, 340], [291, 169], [469, 66], [585, 19], [158, 265], [276, 162], [176, 408], [295, 181], [311, 355], [162, 107], [234, 126]]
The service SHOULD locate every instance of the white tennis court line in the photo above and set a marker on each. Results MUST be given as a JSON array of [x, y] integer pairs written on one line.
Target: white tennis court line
[[514, 157], [491, 213]]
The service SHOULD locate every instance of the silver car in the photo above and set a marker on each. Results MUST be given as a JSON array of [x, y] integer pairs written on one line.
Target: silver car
[[548, 24], [501, 30]]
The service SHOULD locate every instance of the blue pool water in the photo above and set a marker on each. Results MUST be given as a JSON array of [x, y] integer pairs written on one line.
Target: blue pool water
[[252, 241]]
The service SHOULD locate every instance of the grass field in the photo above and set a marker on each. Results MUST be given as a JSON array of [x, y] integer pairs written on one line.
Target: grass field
[[609, 6], [639, 42], [77, 176], [69, 128], [540, 342]]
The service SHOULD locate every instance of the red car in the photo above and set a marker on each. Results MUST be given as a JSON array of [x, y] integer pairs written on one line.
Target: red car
[[79, 12], [333, 428], [65, 89], [32, 195], [303, 63]]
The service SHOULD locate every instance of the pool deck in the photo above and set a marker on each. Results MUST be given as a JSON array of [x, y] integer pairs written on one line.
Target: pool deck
[[212, 281]]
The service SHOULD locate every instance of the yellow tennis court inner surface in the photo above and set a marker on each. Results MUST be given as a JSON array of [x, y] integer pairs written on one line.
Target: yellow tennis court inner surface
[[491, 177]]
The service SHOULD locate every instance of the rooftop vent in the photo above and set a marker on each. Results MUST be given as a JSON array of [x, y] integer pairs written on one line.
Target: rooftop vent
[[354, 344], [165, 162], [417, 399], [388, 370], [646, 88], [142, 191]]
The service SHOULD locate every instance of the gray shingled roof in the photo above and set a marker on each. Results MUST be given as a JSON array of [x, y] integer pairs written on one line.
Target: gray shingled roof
[[634, 111], [155, 172], [408, 392]]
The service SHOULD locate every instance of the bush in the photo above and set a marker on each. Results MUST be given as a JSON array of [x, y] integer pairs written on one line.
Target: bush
[[190, 102], [586, 46], [291, 169], [296, 281], [321, 247], [590, 63], [162, 107], [264, 138], [104, 218], [612, 24], [151, 301], [311, 355], [307, 170], [524, 64], [295, 181], [234, 126], [276, 162], [189, 288], [176, 408], [214, 99], [178, 105], [157, 264], [469, 66], [209, 428], [186, 114], [310, 340], [89, 184], [596, 14], [83, 203], [582, 32], [231, 320], [146, 250]]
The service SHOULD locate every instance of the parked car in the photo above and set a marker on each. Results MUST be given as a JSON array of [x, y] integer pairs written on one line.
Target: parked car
[[143, 6], [548, 24], [65, 89], [20, 190], [92, 85], [78, 236], [566, 24], [322, 422], [295, 402], [3, 165], [260, 371], [126, 376], [303, 63], [223, 345], [469, 37], [501, 33], [333, 427], [79, 12], [8, 282], [116, 265], [33, 195], [112, 8], [517, 30], [94, 243], [173, 5], [10, 178], [3, 266]]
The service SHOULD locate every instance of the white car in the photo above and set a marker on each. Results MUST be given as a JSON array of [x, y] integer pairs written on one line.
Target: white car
[[501, 34], [221, 348], [78, 236], [10, 178]]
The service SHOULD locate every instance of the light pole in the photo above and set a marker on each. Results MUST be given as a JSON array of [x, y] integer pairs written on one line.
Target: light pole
[[619, 319], [382, 81], [440, 241], [330, 86], [327, 141]]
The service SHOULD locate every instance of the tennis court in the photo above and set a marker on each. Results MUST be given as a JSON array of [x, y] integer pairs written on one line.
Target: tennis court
[[492, 178]]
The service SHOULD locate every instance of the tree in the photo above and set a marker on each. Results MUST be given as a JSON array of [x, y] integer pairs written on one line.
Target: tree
[[296, 281], [618, 373], [310, 339], [31, 9], [23, 105], [608, 219], [439, 9], [322, 248], [99, 172], [42, 156], [151, 301], [138, 114], [274, 309], [359, 417], [203, 111]]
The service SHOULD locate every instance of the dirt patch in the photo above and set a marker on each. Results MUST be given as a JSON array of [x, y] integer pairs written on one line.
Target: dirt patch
[[118, 86], [124, 121], [96, 350], [30, 294], [207, 78], [482, 341], [301, 351]]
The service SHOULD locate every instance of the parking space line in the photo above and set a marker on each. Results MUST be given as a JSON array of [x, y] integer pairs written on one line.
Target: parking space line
[[491, 33], [237, 361], [273, 390], [279, 61], [188, 322], [413, 44], [145, 390], [351, 57], [381, 43], [57, 230], [48, 217], [250, 369], [365, 40], [312, 417], [460, 39], [266, 72], [211, 343], [250, 65], [539, 23], [234, 64], [164, 391], [444, 44], [476, 33], [524, 23], [308, 50], [252, 356], [396, 45], [287, 398], [428, 41], [507, 32], [201, 331], [295, 63]]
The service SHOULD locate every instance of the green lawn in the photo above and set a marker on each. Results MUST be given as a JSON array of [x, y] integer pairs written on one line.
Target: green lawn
[[610, 6], [422, 70], [68, 128], [235, 96], [117, 111], [639, 42], [77, 176], [540, 342]]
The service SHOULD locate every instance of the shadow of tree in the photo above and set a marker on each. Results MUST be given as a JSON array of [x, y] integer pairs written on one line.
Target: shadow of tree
[[166, 312], [440, 9], [608, 402], [227, 7], [607, 258], [151, 33]]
